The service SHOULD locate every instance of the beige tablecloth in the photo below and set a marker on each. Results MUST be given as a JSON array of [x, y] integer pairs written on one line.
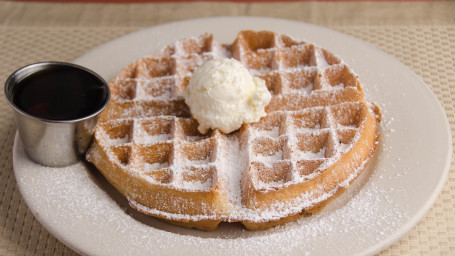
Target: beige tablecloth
[[419, 34]]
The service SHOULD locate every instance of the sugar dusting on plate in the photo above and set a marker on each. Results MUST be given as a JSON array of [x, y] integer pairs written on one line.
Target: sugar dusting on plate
[[73, 199]]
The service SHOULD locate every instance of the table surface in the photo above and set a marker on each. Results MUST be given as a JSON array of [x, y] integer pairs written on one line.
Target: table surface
[[420, 34]]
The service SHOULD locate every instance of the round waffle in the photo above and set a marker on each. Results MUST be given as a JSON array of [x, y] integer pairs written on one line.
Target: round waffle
[[317, 137]]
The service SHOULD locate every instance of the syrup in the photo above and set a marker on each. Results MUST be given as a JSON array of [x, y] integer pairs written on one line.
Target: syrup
[[60, 93]]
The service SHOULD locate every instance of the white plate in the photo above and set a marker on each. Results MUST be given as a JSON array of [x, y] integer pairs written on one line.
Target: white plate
[[83, 211]]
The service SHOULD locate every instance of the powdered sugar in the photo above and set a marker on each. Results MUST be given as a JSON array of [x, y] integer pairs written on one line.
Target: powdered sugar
[[86, 210], [232, 160], [270, 132], [193, 138], [117, 141], [154, 166], [338, 86], [151, 139], [311, 155], [344, 147], [268, 159], [197, 184], [259, 157], [203, 161]]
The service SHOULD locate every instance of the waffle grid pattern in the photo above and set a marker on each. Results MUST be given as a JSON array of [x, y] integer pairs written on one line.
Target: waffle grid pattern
[[169, 151], [294, 145], [309, 138], [164, 144], [154, 85]]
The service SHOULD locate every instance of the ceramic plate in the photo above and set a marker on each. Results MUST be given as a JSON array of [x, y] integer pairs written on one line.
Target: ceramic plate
[[82, 210]]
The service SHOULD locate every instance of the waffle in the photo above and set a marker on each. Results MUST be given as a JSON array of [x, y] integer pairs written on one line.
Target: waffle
[[317, 137]]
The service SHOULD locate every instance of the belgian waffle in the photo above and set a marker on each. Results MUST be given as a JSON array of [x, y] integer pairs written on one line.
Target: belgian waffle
[[319, 134]]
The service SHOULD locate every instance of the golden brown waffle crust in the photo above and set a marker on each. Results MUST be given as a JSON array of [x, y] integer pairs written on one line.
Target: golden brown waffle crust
[[318, 136]]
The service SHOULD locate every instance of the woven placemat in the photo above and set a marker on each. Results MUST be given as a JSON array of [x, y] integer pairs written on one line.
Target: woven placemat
[[428, 50], [327, 13]]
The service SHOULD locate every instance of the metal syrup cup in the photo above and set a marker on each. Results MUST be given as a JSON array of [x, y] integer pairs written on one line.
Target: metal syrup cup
[[54, 143]]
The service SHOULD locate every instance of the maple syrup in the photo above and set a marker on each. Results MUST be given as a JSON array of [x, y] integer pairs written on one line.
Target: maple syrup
[[60, 93]]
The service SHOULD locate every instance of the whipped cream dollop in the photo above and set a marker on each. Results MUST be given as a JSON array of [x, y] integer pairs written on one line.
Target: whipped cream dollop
[[223, 94]]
